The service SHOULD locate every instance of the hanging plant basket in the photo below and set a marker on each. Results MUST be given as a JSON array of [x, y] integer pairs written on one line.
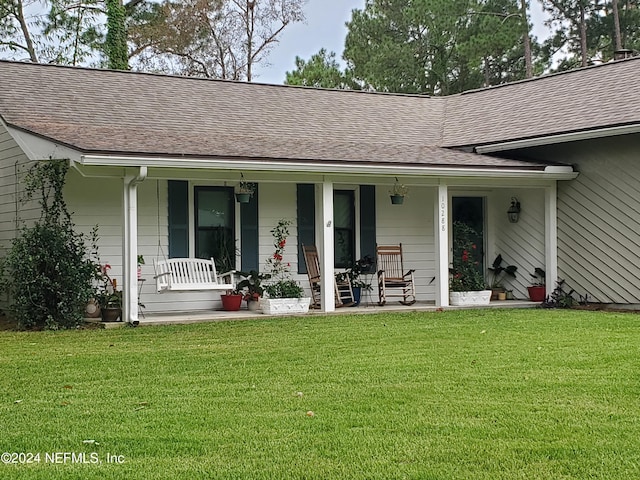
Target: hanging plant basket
[[243, 197], [397, 199]]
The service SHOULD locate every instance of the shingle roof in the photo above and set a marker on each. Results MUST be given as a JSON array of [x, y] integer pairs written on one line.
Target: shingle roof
[[583, 99], [126, 113]]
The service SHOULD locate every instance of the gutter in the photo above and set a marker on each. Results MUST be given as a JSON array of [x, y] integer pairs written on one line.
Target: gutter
[[130, 245], [560, 138], [548, 173]]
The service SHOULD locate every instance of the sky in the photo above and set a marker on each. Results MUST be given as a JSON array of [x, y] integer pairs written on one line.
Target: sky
[[325, 28]]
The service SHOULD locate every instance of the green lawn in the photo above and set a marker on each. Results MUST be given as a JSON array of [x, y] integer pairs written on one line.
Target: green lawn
[[512, 394]]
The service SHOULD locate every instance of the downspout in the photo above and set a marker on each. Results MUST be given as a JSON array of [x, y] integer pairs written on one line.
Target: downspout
[[130, 246]]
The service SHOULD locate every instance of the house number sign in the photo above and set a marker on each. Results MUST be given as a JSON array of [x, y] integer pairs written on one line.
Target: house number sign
[[443, 213]]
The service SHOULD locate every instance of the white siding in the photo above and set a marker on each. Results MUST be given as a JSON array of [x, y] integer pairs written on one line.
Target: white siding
[[13, 214], [412, 225], [98, 201], [13, 166]]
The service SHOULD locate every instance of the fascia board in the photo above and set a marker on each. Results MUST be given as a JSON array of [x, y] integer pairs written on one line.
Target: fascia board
[[553, 173], [37, 148], [560, 138]]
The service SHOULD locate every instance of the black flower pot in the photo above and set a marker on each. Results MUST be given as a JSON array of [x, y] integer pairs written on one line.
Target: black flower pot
[[110, 314]]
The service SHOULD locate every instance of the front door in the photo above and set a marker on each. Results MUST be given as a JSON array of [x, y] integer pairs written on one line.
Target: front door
[[470, 211]]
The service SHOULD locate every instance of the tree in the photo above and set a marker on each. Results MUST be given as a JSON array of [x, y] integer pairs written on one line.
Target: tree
[[436, 46], [15, 34], [592, 30], [574, 14], [115, 46], [212, 38], [321, 71], [68, 32], [614, 27]]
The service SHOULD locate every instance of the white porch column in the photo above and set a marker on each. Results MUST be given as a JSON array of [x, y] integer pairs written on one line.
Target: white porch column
[[327, 282], [551, 236], [130, 247], [441, 234]]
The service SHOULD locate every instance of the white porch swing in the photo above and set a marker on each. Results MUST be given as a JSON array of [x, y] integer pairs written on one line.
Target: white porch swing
[[187, 274]]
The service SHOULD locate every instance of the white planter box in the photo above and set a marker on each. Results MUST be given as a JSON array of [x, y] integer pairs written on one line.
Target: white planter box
[[284, 306], [482, 297]]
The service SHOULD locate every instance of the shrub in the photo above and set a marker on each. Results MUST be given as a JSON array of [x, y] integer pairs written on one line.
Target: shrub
[[47, 272]]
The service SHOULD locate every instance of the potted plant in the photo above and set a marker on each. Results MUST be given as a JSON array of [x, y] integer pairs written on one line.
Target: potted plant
[[251, 288], [497, 274], [352, 274], [537, 290], [397, 193], [107, 295], [466, 283], [245, 191], [140, 263], [283, 294], [231, 300]]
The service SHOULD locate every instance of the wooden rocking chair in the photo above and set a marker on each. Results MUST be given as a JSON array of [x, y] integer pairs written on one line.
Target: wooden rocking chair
[[392, 277], [343, 290]]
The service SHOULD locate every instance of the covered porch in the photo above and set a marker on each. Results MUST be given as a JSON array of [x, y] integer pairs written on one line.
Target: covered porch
[[422, 223]]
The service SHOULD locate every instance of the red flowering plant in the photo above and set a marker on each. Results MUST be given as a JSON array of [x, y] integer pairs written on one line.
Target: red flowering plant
[[281, 285], [465, 273], [107, 294]]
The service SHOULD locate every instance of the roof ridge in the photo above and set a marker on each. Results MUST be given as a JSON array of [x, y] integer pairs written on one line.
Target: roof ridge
[[548, 75], [205, 79]]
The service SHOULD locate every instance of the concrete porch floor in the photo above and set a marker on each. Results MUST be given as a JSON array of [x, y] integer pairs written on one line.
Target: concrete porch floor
[[244, 314]]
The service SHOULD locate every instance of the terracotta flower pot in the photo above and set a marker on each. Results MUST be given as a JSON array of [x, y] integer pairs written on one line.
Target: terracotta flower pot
[[537, 293], [231, 303]]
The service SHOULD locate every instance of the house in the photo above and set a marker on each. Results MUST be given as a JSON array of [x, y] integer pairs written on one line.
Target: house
[[155, 160]]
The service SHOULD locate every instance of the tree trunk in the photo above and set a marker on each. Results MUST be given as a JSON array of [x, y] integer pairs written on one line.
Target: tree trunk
[[527, 40], [583, 35], [250, 27], [616, 26], [25, 32], [116, 39]]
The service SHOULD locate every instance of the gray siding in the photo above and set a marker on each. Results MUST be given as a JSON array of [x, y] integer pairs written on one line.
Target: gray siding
[[521, 244], [599, 218]]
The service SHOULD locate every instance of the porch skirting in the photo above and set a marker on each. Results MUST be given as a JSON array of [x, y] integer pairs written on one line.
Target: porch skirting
[[481, 297]]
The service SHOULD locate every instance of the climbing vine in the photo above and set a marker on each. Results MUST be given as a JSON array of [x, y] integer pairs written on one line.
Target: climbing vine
[[47, 272], [116, 40]]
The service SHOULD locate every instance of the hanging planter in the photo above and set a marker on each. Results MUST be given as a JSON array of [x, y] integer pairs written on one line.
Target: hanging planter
[[397, 193], [397, 199], [244, 191], [243, 197]]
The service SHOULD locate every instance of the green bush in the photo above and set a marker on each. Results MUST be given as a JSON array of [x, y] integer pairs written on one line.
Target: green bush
[[47, 272]]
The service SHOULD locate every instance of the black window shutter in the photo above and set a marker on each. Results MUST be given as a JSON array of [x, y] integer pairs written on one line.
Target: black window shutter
[[249, 234], [178, 218], [368, 221], [306, 205]]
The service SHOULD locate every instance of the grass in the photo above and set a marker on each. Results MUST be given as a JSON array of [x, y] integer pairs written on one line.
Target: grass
[[493, 394]]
